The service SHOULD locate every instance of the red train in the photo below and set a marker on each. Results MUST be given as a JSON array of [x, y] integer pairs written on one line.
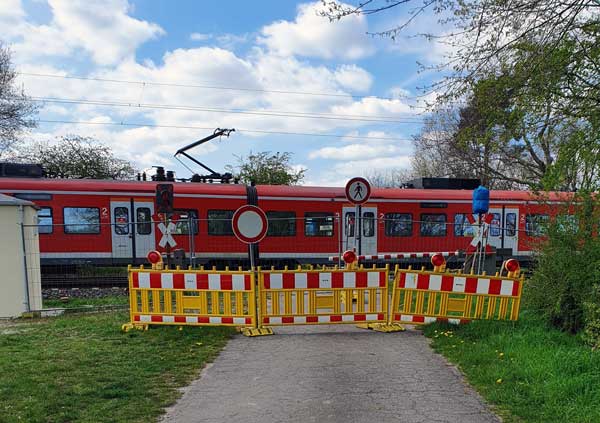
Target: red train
[[111, 221]]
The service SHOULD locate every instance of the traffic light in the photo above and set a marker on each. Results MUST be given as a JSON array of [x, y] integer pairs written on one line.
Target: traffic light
[[164, 198]]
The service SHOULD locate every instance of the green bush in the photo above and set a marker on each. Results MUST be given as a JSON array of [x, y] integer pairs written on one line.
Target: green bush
[[566, 272], [591, 311]]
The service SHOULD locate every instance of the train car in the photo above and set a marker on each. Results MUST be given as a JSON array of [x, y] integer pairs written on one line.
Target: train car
[[114, 222]]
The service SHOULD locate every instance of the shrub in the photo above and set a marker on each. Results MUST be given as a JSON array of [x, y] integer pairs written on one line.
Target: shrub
[[566, 272]]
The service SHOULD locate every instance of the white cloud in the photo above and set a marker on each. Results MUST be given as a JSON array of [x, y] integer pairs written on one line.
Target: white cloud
[[103, 29], [196, 36], [311, 35], [353, 152]]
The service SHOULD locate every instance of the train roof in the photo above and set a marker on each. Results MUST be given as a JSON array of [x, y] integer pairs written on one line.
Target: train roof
[[274, 191]]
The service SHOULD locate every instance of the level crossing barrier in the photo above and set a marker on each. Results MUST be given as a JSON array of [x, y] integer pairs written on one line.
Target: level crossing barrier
[[192, 297], [421, 296], [323, 296]]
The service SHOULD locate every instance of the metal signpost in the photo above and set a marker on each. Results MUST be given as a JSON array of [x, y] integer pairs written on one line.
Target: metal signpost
[[250, 225], [358, 191]]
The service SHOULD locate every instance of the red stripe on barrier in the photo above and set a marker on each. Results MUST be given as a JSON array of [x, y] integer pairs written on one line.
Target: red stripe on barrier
[[312, 319], [248, 320], [203, 319], [361, 279], [337, 280], [423, 281], [515, 290], [136, 318], [495, 286], [267, 280], [155, 280], [464, 321], [471, 285], [226, 282], [418, 319], [179, 319], [380, 316], [402, 281], [178, 281], [247, 283], [447, 283], [382, 279], [360, 317], [397, 317], [135, 280], [227, 320], [266, 320], [202, 281], [156, 318], [335, 318], [289, 281], [387, 256], [442, 319], [312, 280], [287, 319]]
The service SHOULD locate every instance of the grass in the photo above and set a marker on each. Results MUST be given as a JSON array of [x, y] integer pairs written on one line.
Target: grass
[[84, 369], [83, 302], [528, 370]]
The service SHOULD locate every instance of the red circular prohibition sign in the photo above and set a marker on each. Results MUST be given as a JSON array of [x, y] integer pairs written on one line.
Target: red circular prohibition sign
[[249, 224], [358, 190]]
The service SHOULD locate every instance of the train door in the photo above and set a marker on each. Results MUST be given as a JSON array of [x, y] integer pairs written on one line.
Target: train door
[[144, 229], [503, 229], [121, 230], [368, 230], [120, 214]]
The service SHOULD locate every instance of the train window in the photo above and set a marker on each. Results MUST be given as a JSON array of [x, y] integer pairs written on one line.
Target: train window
[[511, 224], [398, 224], [495, 225], [182, 226], [281, 223], [462, 226], [219, 222], [45, 220], [350, 224], [567, 223], [318, 224], [535, 224], [433, 224], [368, 223], [81, 220], [143, 218], [121, 220]]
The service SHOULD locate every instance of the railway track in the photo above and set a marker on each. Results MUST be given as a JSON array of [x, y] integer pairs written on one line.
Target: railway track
[[79, 281]]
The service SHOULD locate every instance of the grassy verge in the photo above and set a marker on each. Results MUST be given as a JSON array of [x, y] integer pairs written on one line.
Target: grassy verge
[[528, 370], [84, 369], [82, 302]]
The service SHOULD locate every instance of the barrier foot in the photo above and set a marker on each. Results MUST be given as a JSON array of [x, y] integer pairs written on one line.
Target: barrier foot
[[130, 326], [257, 331], [382, 327]]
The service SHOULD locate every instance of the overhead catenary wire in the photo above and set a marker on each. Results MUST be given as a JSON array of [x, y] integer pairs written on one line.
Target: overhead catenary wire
[[203, 86], [278, 113], [256, 131]]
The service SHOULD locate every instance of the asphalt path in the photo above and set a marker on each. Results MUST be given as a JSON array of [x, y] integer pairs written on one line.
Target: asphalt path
[[330, 374]]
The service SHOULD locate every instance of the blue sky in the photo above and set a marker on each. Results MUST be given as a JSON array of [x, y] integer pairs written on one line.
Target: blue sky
[[171, 51]]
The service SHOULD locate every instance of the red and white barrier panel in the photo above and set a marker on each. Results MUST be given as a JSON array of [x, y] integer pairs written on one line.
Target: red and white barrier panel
[[462, 284], [333, 318], [210, 320], [192, 281], [392, 256], [409, 318], [324, 280]]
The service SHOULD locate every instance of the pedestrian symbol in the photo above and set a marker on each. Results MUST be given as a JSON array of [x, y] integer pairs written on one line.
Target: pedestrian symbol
[[358, 190]]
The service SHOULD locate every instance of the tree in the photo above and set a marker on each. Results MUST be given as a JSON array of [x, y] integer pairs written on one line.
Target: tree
[[391, 178], [15, 108], [486, 33], [78, 157], [266, 168]]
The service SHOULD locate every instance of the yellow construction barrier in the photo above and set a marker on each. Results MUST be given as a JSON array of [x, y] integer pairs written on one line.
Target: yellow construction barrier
[[424, 297], [191, 297], [323, 296]]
